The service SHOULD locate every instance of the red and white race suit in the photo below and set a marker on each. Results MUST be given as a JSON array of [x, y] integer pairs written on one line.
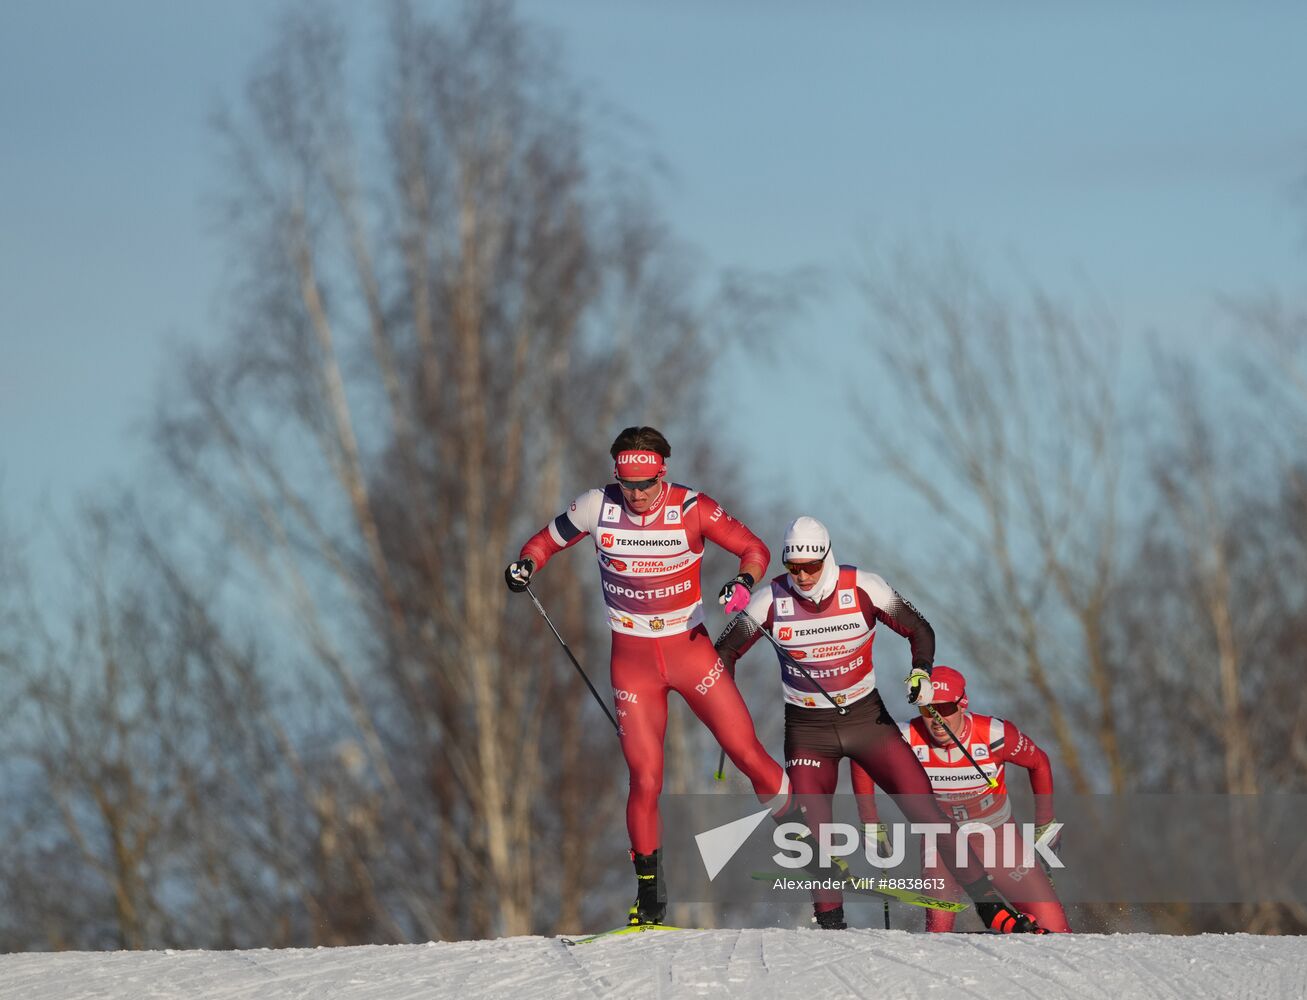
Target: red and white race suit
[[831, 640], [967, 798], [649, 566]]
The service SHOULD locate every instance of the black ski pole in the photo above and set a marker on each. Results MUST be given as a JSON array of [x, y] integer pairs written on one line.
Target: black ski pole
[[602, 703], [785, 655], [934, 714], [870, 833], [720, 773]]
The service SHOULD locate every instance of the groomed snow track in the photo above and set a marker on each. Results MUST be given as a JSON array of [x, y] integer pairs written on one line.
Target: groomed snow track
[[753, 963]]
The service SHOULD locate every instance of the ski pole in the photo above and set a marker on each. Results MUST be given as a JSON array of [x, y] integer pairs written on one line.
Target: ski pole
[[785, 655], [720, 773], [934, 714], [602, 703]]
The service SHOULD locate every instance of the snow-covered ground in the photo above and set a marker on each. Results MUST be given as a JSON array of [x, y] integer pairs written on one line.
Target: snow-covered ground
[[756, 963]]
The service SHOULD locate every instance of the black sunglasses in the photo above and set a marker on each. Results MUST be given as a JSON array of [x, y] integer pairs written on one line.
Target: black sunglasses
[[636, 484]]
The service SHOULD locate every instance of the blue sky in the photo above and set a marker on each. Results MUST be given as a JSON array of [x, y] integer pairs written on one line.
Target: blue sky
[[1154, 151]]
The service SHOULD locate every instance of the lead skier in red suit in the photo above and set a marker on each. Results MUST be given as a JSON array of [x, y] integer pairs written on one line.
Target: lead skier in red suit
[[823, 619], [648, 537], [968, 797]]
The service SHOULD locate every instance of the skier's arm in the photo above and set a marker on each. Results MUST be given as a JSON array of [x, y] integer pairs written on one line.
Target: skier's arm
[[718, 526], [565, 530], [1020, 749], [881, 601], [743, 630]]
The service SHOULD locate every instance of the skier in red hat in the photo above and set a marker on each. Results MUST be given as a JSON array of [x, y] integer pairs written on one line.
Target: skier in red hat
[[976, 793], [649, 536]]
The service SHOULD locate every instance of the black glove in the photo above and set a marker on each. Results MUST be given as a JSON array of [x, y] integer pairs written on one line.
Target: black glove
[[518, 574]]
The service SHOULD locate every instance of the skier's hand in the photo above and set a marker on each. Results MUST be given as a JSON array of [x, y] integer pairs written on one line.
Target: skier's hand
[[1053, 841], [518, 574], [879, 832], [920, 691], [735, 594]]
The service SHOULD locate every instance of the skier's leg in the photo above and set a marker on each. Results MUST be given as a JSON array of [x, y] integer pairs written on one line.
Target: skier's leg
[[873, 741], [864, 792], [640, 700], [812, 762], [941, 921], [1027, 886], [696, 671]]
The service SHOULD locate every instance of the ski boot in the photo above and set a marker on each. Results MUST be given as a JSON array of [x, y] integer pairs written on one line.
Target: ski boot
[[830, 920], [650, 906], [996, 913]]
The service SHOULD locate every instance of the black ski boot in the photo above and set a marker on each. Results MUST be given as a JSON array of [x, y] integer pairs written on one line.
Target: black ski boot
[[830, 920], [650, 906], [996, 913], [827, 920]]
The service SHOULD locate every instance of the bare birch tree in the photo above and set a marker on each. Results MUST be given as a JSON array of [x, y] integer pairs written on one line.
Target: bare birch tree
[[446, 304], [1005, 428], [143, 756], [1153, 633], [1214, 614]]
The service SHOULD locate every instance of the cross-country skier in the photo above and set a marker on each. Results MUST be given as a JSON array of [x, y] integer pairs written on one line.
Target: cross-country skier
[[968, 798], [825, 615], [649, 537]]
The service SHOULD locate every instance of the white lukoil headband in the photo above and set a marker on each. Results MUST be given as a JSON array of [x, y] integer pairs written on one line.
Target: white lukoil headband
[[806, 540]]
